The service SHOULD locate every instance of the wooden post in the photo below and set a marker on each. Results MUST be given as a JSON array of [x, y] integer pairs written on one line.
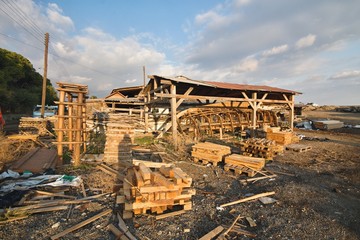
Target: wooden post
[[77, 145], [60, 134], [43, 97], [70, 121], [173, 114], [254, 107], [83, 121], [146, 113], [291, 115]]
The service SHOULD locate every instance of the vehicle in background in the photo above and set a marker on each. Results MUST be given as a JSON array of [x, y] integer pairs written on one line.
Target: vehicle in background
[[49, 111]]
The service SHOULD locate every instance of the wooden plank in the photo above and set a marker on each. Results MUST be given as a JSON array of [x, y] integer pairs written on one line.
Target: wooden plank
[[248, 199], [160, 180], [139, 179], [167, 171], [54, 194], [213, 233], [145, 171], [258, 178], [81, 224], [166, 215]]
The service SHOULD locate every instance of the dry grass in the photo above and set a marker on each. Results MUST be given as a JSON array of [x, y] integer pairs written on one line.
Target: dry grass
[[11, 150]]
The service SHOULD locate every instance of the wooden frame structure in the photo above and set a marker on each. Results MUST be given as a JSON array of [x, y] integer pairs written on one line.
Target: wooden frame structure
[[71, 124], [176, 97]]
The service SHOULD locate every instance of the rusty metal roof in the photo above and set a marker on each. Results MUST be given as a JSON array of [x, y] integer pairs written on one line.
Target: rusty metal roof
[[230, 86]]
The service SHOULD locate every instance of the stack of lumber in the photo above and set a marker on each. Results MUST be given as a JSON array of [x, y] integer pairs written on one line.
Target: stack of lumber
[[40, 126], [209, 152], [260, 147], [156, 191], [119, 141], [240, 163], [282, 138], [328, 124]]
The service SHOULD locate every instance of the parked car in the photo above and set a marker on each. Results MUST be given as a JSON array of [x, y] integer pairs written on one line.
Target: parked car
[[49, 111]]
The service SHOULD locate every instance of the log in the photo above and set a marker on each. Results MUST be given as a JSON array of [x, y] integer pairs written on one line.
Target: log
[[248, 199], [81, 224]]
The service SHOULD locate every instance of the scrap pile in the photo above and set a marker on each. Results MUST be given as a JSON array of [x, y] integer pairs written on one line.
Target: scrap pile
[[209, 152], [239, 163], [40, 126], [156, 190], [260, 147]]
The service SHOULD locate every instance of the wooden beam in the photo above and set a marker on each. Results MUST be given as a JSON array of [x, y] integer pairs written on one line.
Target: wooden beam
[[248, 199], [173, 114], [81, 224], [185, 94], [213, 233], [162, 216]]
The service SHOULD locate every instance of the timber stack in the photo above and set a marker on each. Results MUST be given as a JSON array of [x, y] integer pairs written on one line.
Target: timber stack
[[209, 152], [155, 190], [240, 163], [282, 138], [260, 147], [119, 141]]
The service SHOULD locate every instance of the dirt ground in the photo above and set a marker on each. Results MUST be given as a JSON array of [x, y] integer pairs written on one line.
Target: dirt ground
[[317, 193]]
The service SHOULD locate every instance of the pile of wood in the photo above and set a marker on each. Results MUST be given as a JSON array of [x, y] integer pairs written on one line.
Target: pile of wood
[[39, 126], [119, 141], [155, 190], [240, 163], [209, 152], [282, 138], [260, 147]]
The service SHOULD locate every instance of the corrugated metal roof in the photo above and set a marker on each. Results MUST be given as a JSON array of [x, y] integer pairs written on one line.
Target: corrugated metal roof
[[231, 86]]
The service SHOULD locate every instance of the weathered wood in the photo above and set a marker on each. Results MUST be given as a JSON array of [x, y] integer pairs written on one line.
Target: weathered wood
[[81, 224], [145, 171], [118, 234], [166, 215], [258, 178], [251, 221], [213, 233], [248, 199], [124, 228]]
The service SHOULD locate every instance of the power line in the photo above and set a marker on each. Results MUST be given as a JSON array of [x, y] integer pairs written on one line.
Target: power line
[[21, 25]]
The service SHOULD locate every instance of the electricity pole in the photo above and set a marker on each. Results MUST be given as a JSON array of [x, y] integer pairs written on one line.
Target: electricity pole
[[43, 96]]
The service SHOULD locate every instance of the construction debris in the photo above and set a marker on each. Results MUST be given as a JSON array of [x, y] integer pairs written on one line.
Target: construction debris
[[328, 124], [260, 147], [38, 160], [157, 190], [209, 152], [213, 233]]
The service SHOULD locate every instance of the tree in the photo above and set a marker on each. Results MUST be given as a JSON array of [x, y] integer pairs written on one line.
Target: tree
[[20, 84]]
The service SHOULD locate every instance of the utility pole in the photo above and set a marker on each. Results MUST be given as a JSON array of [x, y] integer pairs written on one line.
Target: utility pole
[[144, 76], [43, 96]]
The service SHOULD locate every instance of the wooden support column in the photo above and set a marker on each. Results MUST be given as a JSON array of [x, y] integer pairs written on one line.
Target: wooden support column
[[83, 122], [291, 115], [77, 145], [60, 134], [146, 114], [70, 121], [254, 111], [173, 114]]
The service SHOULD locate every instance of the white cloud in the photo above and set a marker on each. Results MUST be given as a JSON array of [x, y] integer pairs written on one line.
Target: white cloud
[[307, 41], [241, 2], [276, 50], [346, 75], [130, 80], [55, 16], [249, 64]]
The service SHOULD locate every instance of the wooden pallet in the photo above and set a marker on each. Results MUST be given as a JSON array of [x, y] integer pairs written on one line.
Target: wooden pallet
[[260, 147], [240, 169], [298, 147], [206, 161]]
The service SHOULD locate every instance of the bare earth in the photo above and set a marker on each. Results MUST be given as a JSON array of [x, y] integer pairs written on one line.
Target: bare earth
[[317, 193]]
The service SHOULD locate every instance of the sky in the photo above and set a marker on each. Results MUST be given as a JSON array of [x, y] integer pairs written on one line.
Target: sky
[[312, 47]]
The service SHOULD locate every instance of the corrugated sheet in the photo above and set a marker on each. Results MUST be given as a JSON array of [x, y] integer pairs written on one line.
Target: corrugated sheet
[[231, 86]]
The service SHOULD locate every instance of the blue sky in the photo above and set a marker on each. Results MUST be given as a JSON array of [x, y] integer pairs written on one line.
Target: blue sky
[[307, 46]]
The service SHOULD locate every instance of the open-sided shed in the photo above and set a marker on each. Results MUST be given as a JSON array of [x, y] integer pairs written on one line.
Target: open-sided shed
[[181, 94]]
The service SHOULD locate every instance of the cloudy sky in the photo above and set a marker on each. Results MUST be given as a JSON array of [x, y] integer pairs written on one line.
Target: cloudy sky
[[308, 46]]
